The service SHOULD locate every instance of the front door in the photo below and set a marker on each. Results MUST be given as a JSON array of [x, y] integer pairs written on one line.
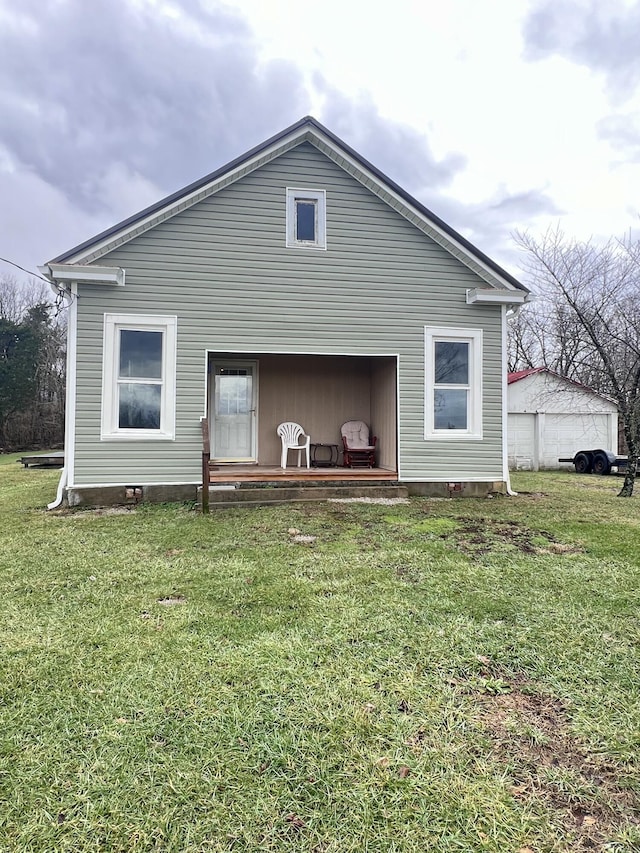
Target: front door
[[234, 411]]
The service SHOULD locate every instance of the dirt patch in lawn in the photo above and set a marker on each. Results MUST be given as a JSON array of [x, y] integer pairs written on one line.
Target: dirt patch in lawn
[[586, 795], [94, 512], [478, 536]]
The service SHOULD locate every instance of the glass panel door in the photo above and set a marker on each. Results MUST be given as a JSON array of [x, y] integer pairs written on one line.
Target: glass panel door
[[234, 411]]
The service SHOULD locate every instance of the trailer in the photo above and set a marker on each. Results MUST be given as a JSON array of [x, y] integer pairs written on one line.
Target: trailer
[[597, 461]]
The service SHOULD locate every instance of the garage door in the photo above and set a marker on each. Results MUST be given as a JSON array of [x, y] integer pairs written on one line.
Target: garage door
[[564, 435], [521, 440]]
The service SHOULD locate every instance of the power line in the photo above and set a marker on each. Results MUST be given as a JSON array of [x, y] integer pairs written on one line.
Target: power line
[[29, 272]]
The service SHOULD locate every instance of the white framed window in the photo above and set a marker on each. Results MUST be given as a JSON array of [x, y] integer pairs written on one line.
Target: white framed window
[[306, 219], [453, 383], [138, 377]]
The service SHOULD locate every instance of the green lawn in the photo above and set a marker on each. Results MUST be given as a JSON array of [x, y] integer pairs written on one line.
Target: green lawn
[[437, 676]]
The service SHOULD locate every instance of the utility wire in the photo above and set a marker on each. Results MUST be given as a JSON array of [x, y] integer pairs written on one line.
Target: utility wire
[[60, 297], [29, 272]]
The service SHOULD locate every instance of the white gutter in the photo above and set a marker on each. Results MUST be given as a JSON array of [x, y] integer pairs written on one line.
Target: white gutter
[[83, 274], [496, 297]]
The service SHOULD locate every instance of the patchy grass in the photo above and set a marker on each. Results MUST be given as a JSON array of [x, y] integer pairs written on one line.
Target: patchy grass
[[441, 675]]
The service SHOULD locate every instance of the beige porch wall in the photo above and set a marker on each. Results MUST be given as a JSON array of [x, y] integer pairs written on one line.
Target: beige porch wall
[[384, 410], [321, 393]]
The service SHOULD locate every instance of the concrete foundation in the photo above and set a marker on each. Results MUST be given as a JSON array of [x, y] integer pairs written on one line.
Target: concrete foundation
[[246, 493], [456, 489], [129, 495]]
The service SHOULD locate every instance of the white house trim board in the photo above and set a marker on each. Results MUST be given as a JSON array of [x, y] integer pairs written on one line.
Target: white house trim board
[[133, 481], [458, 478], [266, 351]]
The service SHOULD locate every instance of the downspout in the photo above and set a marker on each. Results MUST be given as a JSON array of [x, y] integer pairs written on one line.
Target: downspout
[[505, 402], [71, 296], [62, 482]]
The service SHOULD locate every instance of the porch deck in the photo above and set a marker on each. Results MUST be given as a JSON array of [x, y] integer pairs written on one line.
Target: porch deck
[[240, 473]]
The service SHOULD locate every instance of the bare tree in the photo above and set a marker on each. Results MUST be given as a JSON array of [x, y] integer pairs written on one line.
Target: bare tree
[[32, 366], [585, 323], [18, 296]]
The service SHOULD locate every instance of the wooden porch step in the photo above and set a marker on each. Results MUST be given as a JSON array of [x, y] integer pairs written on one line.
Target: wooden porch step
[[284, 476], [243, 494]]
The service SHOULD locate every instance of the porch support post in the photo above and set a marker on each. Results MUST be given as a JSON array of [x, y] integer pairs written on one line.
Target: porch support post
[[206, 457]]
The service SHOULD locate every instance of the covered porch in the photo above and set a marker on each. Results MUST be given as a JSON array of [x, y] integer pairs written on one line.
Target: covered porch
[[249, 394]]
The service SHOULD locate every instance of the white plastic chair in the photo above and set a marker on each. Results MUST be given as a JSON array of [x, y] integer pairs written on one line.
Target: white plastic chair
[[290, 434]]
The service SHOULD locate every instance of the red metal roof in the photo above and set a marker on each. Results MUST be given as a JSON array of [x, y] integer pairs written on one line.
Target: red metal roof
[[520, 374]]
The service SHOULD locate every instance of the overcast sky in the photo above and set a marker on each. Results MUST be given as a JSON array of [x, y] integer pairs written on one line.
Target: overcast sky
[[496, 114]]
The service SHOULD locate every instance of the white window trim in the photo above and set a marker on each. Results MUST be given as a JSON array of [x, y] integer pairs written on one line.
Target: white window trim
[[320, 198], [473, 337], [113, 324]]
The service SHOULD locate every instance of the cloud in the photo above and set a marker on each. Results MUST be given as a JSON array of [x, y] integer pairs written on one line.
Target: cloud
[[404, 154], [601, 36], [90, 87], [623, 132], [108, 106], [490, 224], [401, 152], [39, 221]]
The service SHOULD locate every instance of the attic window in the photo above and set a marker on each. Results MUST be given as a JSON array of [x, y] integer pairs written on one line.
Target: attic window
[[306, 218]]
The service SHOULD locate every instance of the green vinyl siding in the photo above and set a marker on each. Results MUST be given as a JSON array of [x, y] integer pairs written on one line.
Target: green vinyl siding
[[223, 269]]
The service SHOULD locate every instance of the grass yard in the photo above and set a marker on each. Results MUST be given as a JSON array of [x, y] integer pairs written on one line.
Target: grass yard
[[452, 675]]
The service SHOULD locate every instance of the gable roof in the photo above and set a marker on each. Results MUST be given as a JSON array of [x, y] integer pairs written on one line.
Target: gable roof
[[310, 130], [517, 375]]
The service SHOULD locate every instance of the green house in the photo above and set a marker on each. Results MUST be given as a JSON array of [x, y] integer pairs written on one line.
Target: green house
[[296, 283]]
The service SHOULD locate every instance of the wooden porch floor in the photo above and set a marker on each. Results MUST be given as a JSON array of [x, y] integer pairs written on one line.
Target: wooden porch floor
[[239, 473]]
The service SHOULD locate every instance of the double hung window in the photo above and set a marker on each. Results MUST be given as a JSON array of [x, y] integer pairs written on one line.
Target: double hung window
[[138, 389], [453, 387]]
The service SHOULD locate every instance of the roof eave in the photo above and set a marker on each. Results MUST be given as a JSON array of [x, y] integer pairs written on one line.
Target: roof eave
[[496, 297], [83, 274]]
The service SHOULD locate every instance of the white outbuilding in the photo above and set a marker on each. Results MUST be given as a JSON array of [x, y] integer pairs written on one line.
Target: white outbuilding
[[552, 417]]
